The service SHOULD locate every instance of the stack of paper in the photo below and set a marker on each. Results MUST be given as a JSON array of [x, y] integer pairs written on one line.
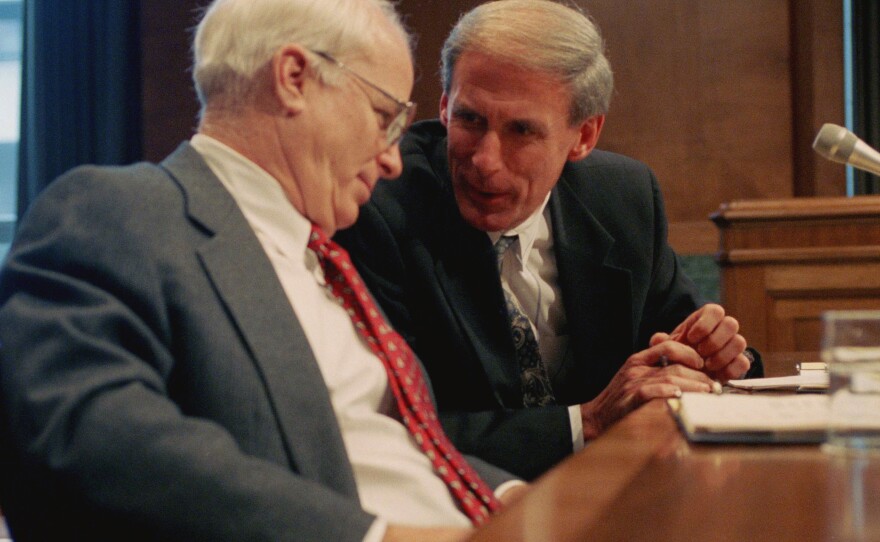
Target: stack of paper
[[752, 418], [806, 381]]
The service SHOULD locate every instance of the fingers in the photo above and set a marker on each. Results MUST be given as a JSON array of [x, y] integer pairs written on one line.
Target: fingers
[[726, 354], [668, 390], [666, 382], [672, 351], [735, 369], [673, 366], [702, 323], [683, 378], [715, 337], [658, 338], [658, 390]]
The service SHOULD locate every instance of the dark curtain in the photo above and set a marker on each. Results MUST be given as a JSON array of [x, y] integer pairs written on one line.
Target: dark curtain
[[81, 89], [866, 84]]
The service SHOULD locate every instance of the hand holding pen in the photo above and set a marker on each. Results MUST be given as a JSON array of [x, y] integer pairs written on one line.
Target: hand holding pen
[[715, 336]]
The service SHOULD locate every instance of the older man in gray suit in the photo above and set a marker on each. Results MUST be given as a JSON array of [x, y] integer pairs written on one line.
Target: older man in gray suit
[[175, 364]]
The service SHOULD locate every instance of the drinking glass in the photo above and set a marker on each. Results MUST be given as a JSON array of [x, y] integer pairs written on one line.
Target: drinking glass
[[851, 348]]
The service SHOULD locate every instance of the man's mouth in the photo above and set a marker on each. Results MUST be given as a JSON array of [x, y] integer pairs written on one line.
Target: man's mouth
[[485, 197], [370, 184]]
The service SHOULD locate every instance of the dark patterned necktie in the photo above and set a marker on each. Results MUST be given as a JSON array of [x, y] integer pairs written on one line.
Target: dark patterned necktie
[[535, 382], [404, 378]]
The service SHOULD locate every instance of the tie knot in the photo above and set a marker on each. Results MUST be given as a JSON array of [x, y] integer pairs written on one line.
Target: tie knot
[[318, 240], [504, 242], [501, 246]]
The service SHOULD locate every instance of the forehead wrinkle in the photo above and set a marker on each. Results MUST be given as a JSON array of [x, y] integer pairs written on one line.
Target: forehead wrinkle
[[482, 83]]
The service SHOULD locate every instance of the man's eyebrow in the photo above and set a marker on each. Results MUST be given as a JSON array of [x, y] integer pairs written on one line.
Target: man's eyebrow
[[459, 108], [535, 125]]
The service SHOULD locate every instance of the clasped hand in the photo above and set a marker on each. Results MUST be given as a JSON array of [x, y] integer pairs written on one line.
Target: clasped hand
[[706, 347]]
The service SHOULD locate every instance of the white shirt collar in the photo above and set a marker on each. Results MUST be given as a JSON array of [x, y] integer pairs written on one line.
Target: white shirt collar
[[258, 195], [530, 229]]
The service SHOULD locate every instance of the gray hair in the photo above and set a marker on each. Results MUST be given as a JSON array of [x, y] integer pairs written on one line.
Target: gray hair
[[542, 35], [235, 39]]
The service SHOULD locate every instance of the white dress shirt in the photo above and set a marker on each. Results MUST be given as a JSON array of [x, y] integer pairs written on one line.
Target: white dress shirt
[[395, 479], [529, 273]]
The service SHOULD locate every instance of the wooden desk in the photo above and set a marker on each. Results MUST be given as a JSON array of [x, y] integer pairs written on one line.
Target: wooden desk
[[642, 481]]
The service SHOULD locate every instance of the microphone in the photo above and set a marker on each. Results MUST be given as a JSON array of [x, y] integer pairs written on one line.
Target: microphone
[[840, 145]]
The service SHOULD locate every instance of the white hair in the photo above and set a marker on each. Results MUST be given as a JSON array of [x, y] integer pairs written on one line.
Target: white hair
[[237, 38]]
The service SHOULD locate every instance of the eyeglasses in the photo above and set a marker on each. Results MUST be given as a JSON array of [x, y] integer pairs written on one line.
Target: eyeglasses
[[404, 114]]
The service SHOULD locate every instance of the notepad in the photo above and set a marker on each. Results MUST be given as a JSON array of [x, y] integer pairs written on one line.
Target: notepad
[[752, 418], [806, 381]]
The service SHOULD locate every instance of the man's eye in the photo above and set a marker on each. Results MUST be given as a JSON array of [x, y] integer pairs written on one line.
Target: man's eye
[[522, 128], [384, 118], [467, 118]]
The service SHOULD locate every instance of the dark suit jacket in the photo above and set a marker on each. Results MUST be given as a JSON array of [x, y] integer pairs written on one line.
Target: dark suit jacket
[[155, 381], [436, 278]]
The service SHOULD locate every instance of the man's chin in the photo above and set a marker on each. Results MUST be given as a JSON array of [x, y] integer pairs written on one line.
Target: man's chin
[[486, 221], [347, 217], [488, 216]]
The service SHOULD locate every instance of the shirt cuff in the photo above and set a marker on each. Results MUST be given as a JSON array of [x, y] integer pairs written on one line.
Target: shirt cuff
[[503, 488], [377, 531], [577, 427]]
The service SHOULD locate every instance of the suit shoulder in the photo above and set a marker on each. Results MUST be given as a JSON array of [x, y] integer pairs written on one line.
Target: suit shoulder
[[425, 175], [614, 165], [423, 138], [616, 190], [606, 174], [95, 201], [113, 184]]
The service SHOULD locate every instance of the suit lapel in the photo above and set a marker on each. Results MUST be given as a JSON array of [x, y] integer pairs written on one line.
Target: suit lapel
[[464, 267], [596, 293], [247, 285], [465, 264]]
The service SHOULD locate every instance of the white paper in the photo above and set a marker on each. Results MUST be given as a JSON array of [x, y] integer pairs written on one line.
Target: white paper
[[813, 380]]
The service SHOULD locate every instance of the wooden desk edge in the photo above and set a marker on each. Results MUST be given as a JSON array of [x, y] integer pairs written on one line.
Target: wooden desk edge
[[580, 488]]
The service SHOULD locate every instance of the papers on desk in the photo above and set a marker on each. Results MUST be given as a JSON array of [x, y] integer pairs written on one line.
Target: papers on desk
[[752, 418], [806, 381]]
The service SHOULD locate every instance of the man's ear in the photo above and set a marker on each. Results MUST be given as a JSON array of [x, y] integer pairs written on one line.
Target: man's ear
[[444, 112], [588, 137], [290, 66]]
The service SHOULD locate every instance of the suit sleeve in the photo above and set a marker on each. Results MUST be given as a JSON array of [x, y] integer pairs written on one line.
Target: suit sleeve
[[93, 442], [527, 441], [672, 296]]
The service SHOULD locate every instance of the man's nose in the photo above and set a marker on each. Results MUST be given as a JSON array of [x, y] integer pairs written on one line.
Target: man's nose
[[487, 154], [390, 162]]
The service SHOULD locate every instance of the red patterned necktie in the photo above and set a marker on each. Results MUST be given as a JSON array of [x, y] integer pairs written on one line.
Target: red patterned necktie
[[404, 378]]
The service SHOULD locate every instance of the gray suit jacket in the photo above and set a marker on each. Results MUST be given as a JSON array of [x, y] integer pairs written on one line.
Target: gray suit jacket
[[155, 382]]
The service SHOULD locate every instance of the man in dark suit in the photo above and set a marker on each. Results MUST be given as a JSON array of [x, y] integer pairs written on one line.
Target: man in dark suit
[[174, 364], [508, 178]]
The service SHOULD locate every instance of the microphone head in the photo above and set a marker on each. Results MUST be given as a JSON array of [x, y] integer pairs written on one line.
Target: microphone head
[[835, 142]]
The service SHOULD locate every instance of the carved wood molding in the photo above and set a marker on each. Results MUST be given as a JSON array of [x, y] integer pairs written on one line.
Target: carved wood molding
[[732, 213], [827, 254]]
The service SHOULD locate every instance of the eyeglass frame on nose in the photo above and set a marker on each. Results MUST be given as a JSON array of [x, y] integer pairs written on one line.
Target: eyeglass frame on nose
[[395, 128]]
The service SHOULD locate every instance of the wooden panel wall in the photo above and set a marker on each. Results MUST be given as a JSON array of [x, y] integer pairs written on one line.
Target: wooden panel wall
[[721, 98], [704, 97]]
